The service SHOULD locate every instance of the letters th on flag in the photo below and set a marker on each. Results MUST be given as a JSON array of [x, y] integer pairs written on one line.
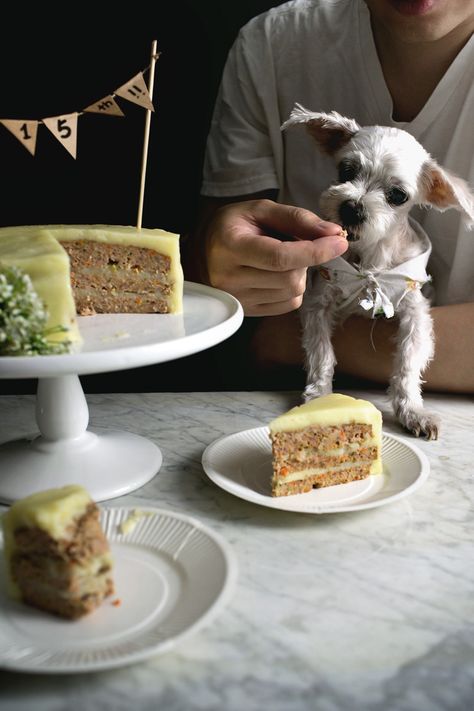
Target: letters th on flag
[[107, 105]]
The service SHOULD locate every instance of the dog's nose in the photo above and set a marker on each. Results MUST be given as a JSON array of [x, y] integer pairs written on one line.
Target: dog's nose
[[351, 213]]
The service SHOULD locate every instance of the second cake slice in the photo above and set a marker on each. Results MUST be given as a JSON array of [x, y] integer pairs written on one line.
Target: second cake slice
[[331, 440]]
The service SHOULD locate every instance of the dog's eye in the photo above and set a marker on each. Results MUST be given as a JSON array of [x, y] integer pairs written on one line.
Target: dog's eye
[[346, 172], [396, 196]]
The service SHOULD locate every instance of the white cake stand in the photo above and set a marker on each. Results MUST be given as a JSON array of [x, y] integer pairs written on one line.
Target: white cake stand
[[107, 463]]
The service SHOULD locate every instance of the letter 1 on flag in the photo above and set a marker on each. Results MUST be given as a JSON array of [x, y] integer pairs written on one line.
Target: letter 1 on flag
[[25, 131]]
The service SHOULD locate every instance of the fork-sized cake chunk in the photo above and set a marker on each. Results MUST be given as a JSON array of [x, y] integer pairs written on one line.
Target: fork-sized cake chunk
[[331, 440], [58, 558]]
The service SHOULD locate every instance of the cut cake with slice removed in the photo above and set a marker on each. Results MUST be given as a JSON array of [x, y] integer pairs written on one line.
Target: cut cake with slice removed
[[330, 440], [90, 269], [57, 555]]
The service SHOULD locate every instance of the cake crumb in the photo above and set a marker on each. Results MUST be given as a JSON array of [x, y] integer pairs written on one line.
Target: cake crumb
[[118, 335], [117, 602], [131, 521]]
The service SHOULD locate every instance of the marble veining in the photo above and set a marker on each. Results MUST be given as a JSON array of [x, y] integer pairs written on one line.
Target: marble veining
[[370, 610]]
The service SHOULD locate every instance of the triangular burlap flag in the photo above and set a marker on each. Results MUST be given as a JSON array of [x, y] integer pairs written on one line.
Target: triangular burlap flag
[[136, 91], [64, 128], [107, 105], [25, 131]]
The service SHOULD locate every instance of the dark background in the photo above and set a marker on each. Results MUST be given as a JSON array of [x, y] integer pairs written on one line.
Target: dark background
[[55, 60]]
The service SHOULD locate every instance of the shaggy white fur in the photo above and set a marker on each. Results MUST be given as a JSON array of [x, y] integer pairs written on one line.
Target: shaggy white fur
[[383, 173]]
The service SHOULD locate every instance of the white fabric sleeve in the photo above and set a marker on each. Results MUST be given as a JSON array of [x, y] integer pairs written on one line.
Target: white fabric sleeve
[[239, 155]]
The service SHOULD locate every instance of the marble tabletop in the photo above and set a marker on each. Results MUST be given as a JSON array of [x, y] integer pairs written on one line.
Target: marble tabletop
[[370, 610]]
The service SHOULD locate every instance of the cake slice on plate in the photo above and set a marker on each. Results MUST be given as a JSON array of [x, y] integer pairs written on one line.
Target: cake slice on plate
[[331, 440], [57, 556]]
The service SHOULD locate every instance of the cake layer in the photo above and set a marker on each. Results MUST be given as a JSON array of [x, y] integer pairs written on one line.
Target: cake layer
[[290, 470], [93, 301], [319, 480], [47, 598]]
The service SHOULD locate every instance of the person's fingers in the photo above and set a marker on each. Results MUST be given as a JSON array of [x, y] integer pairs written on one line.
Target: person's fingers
[[279, 298], [275, 308], [292, 221], [292, 282], [270, 254]]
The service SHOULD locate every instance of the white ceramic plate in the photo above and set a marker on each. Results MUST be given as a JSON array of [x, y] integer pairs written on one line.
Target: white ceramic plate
[[119, 341], [172, 575], [241, 464]]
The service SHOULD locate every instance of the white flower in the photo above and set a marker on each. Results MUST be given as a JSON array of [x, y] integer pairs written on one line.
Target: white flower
[[23, 317]]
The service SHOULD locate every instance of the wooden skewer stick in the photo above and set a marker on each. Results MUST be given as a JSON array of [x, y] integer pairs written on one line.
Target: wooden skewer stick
[[146, 138]]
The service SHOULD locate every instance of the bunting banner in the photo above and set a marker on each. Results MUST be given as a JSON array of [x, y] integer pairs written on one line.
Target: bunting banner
[[65, 127]]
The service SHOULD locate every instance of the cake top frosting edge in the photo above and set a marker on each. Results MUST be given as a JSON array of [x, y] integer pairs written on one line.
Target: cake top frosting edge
[[333, 409]]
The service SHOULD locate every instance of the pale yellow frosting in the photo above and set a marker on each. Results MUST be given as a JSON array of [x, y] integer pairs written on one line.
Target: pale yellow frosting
[[51, 510], [333, 410], [37, 253]]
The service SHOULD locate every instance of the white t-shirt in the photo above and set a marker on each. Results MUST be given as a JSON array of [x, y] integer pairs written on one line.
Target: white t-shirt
[[321, 53]]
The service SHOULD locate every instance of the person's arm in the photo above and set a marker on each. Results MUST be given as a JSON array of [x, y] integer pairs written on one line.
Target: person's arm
[[452, 368], [364, 348]]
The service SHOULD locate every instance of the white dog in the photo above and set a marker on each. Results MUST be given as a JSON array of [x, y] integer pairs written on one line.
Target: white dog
[[383, 172]]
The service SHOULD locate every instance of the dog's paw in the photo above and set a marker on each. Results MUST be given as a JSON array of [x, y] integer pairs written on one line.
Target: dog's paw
[[312, 391], [420, 423]]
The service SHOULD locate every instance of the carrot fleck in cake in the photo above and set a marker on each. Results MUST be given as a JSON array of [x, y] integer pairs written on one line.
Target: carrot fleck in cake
[[58, 558], [330, 440]]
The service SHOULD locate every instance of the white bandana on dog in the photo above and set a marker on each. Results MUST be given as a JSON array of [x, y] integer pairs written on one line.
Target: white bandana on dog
[[378, 291]]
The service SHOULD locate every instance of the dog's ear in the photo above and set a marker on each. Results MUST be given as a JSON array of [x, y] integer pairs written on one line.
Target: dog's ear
[[331, 131], [444, 190]]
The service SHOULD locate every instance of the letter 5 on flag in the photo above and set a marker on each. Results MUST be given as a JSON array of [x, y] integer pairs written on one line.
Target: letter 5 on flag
[[64, 128], [136, 91], [25, 131], [107, 105]]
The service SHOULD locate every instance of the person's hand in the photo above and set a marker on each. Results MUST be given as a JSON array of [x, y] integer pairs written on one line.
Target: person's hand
[[267, 275]]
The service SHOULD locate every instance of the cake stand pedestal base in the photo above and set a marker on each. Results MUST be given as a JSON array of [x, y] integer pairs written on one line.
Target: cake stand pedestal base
[[107, 463]]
